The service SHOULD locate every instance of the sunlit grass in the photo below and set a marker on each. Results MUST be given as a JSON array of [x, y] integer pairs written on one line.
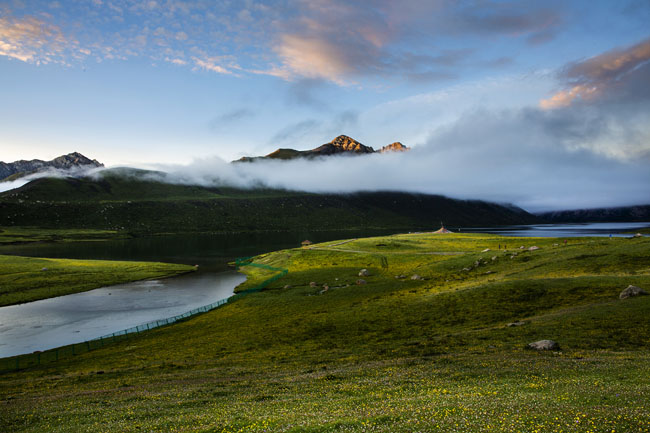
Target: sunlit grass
[[25, 279]]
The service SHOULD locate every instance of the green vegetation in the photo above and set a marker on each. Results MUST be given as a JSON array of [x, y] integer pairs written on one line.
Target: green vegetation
[[25, 279], [10, 235], [391, 355], [129, 201]]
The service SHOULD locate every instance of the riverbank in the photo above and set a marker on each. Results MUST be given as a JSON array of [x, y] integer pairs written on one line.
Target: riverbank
[[26, 279], [434, 353]]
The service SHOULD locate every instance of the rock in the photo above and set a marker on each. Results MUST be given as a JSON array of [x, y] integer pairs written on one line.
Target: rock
[[517, 323], [638, 235], [288, 286], [44, 269], [313, 284], [494, 258], [400, 277], [485, 250], [416, 277], [364, 273], [394, 147], [522, 247], [326, 287], [489, 272], [477, 263], [361, 281], [544, 345], [533, 248], [467, 269], [632, 291]]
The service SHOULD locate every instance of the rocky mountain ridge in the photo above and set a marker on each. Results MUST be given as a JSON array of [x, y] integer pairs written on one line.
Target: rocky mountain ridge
[[340, 145], [16, 169]]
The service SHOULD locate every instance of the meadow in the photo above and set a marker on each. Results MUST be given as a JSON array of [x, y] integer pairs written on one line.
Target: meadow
[[434, 340], [26, 279]]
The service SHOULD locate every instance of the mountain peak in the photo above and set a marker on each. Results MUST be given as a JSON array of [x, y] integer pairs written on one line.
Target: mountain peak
[[64, 162], [394, 147]]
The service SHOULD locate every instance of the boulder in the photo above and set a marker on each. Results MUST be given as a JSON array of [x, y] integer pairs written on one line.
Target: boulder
[[485, 250], [544, 345], [416, 277], [632, 291], [313, 284], [364, 273], [533, 248], [400, 277], [361, 281]]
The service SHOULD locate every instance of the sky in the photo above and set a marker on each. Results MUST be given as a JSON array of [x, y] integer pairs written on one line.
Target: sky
[[541, 104]]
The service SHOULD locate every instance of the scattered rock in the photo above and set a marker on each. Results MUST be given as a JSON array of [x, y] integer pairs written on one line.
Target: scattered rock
[[638, 235], [313, 284], [632, 291], [544, 345], [288, 286], [477, 263], [416, 277], [489, 272], [485, 250], [467, 269], [364, 273], [494, 258], [326, 287], [400, 277], [533, 248], [522, 247], [361, 281], [517, 323], [44, 269]]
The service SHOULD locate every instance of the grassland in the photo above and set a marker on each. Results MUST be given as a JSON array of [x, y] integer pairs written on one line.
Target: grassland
[[25, 279], [391, 355], [11, 235]]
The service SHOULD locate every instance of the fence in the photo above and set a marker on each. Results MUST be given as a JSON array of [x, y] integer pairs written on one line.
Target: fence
[[32, 359]]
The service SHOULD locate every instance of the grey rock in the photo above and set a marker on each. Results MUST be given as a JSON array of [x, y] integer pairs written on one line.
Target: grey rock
[[288, 286], [632, 291], [533, 248], [361, 282], [544, 345], [313, 284], [416, 277], [364, 273]]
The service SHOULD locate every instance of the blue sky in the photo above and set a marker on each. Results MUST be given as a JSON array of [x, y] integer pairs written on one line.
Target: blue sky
[[176, 82]]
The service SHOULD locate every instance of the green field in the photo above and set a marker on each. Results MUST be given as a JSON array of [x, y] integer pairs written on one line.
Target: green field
[[391, 355], [13, 235], [25, 279]]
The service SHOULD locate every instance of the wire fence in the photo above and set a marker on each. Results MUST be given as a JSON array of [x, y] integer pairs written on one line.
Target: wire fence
[[20, 362]]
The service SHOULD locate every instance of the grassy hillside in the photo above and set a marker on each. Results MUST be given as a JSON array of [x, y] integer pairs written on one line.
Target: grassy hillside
[[624, 214], [25, 279], [391, 355], [126, 203]]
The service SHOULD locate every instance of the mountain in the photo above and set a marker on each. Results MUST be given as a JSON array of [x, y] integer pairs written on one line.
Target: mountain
[[131, 201], [16, 169], [340, 145], [639, 213], [394, 147]]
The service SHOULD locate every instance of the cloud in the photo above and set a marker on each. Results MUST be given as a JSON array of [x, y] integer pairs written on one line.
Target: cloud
[[230, 117], [594, 78], [296, 131], [216, 64], [30, 39]]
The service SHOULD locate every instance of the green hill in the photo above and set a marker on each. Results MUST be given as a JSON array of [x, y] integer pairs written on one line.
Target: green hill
[[134, 201], [444, 352]]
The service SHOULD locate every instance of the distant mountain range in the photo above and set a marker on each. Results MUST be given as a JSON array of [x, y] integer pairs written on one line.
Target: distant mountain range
[[71, 161], [613, 214], [339, 146]]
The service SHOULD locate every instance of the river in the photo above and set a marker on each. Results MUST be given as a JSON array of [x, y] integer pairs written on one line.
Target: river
[[54, 322]]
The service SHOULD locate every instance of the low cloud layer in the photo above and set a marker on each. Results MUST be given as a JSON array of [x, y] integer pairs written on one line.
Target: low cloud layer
[[525, 157]]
